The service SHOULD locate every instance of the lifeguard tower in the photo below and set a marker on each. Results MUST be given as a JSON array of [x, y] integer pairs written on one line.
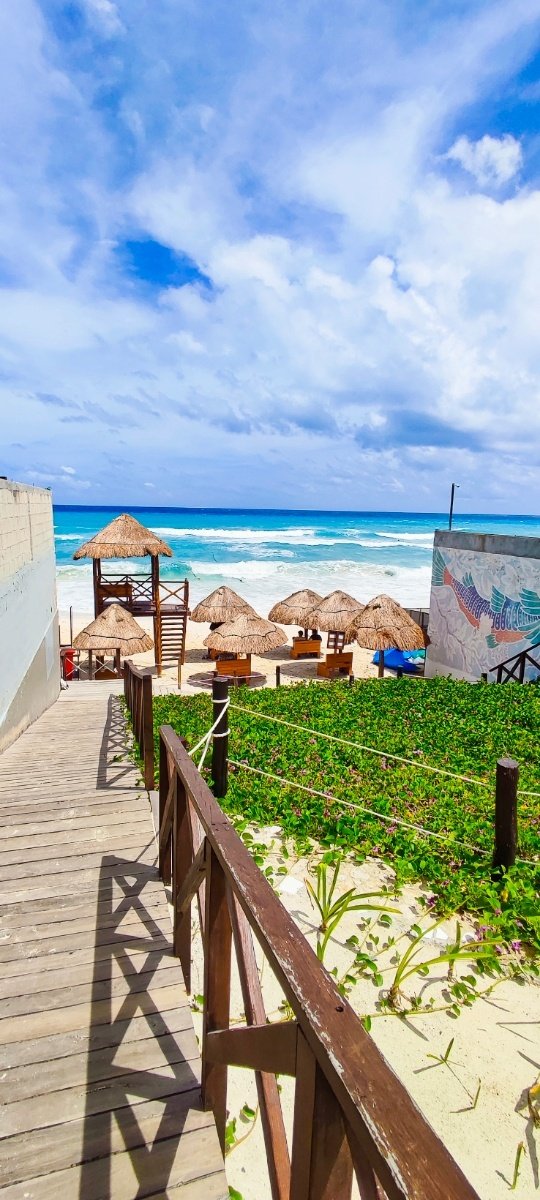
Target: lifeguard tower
[[144, 594]]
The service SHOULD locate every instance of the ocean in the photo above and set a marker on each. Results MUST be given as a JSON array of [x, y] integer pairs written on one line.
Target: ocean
[[267, 554]]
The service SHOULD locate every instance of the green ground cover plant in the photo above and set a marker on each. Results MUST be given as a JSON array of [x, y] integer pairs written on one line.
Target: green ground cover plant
[[445, 723]]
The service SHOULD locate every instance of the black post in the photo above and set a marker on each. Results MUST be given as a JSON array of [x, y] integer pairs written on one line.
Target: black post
[[451, 513], [381, 664], [220, 739], [399, 673], [278, 676], [351, 679], [506, 833]]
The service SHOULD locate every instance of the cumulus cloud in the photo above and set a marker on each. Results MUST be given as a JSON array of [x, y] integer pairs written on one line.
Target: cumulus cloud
[[356, 314], [490, 160]]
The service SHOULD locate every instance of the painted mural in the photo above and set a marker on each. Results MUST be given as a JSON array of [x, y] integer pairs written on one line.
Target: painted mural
[[484, 608]]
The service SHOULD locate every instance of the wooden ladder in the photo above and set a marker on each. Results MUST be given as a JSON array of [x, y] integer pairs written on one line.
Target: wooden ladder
[[172, 633]]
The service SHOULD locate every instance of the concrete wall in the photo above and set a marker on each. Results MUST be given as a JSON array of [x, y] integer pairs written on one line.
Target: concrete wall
[[485, 602], [29, 652]]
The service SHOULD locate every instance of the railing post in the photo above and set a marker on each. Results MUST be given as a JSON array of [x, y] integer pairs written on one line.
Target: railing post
[[506, 831], [220, 740], [321, 1167], [164, 783], [278, 676], [147, 732], [217, 987]]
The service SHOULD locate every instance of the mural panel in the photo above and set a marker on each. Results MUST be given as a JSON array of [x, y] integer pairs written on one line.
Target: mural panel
[[484, 608]]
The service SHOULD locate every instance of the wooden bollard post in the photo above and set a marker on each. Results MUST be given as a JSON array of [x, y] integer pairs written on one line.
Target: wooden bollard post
[[351, 679], [220, 738], [278, 676], [506, 833]]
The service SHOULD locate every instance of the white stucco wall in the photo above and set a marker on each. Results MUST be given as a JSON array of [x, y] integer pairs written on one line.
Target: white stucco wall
[[485, 602], [29, 653]]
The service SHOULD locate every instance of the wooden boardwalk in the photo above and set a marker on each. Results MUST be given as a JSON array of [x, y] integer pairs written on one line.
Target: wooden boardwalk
[[99, 1064]]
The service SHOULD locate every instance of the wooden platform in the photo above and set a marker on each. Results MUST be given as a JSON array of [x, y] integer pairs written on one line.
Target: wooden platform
[[99, 1064]]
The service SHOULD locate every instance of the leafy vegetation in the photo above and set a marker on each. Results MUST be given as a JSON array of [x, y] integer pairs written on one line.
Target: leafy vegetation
[[448, 724]]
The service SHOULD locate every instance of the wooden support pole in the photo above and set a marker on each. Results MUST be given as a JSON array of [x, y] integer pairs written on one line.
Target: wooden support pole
[[278, 676], [217, 988], [321, 1167], [220, 739], [506, 832], [147, 732], [381, 664], [164, 802]]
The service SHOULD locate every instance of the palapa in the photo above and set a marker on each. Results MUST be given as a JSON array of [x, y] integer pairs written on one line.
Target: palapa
[[295, 609], [114, 629], [123, 538], [384, 625], [247, 634], [223, 604], [335, 612]]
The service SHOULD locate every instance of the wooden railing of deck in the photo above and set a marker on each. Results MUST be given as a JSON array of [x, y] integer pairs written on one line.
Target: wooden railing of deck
[[514, 667], [138, 697], [352, 1116]]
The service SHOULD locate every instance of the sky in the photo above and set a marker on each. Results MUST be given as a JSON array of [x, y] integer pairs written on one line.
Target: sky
[[271, 255]]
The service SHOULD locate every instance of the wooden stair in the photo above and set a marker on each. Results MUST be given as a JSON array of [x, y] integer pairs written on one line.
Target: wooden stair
[[172, 634]]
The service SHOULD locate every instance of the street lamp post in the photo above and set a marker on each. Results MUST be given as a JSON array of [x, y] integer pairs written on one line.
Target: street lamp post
[[451, 513]]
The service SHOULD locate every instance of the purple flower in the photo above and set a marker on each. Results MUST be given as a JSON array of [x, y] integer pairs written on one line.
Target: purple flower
[[430, 901], [516, 945]]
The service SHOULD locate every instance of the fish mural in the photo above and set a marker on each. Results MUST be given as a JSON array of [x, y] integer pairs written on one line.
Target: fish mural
[[511, 620]]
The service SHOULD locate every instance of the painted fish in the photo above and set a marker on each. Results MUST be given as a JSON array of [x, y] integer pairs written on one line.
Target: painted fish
[[511, 620]]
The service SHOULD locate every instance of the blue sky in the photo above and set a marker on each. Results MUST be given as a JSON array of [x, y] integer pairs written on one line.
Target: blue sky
[[271, 255]]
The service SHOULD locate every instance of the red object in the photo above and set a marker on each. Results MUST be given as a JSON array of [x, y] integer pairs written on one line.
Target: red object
[[68, 669]]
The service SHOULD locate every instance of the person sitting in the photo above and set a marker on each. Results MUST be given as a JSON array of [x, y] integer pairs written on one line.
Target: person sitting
[[315, 635]]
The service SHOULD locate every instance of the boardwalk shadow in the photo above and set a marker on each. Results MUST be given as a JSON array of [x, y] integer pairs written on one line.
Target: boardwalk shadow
[[114, 764], [142, 1090]]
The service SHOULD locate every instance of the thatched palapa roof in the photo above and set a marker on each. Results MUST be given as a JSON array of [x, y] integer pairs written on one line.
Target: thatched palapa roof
[[335, 613], [114, 629], [123, 538], [383, 625], [295, 609], [247, 634], [223, 604]]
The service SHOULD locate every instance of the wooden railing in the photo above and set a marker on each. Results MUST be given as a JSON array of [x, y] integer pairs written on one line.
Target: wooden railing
[[352, 1116], [138, 696], [515, 667]]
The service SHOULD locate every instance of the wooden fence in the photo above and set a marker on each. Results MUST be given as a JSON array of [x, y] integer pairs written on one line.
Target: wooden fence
[[352, 1116], [138, 696]]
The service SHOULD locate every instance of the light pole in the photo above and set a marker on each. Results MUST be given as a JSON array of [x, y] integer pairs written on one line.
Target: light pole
[[451, 513]]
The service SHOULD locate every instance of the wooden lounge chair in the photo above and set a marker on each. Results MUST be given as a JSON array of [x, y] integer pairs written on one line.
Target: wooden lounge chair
[[234, 666], [305, 647], [336, 664]]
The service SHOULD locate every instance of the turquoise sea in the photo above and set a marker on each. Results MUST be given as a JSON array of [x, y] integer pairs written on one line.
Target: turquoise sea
[[266, 554]]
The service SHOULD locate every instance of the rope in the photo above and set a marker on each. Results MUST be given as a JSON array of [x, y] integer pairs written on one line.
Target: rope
[[372, 811], [371, 750], [359, 808], [205, 740]]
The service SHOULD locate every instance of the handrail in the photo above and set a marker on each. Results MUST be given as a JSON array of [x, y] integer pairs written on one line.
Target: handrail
[[520, 661], [138, 697], [352, 1115]]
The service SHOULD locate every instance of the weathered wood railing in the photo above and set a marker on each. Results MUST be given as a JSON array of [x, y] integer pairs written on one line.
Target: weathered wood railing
[[138, 696], [352, 1116], [515, 667]]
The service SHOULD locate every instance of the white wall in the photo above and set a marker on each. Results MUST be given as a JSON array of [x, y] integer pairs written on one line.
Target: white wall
[[29, 652], [485, 602]]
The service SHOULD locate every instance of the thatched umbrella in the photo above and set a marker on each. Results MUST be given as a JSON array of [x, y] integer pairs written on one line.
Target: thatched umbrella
[[247, 634], [114, 630], [384, 625], [223, 604], [295, 609], [123, 538], [335, 613]]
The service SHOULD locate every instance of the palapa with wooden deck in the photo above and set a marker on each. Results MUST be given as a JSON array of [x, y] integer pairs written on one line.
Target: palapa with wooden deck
[[98, 1058]]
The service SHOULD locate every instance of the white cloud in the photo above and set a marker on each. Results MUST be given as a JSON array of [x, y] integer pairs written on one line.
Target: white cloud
[[69, 470], [105, 14], [490, 160]]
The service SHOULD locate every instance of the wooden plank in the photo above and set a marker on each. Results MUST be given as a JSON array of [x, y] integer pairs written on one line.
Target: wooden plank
[[55, 1146], [93, 942], [18, 1055], [68, 995], [217, 988], [148, 1054], [259, 1047], [119, 963]]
